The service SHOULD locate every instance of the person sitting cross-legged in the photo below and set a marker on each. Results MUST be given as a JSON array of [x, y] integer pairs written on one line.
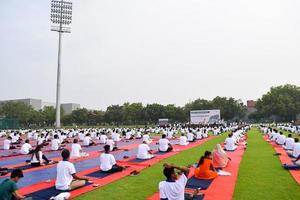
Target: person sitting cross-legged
[[108, 162], [174, 187], [66, 179], [144, 151], [205, 169], [164, 144]]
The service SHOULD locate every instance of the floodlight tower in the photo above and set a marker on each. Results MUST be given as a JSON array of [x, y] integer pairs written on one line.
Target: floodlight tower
[[61, 18]]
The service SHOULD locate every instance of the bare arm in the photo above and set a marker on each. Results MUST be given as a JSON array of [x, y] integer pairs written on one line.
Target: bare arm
[[80, 177], [183, 169], [17, 195]]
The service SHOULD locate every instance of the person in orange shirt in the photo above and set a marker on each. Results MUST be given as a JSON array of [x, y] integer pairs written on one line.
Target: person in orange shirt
[[205, 169]]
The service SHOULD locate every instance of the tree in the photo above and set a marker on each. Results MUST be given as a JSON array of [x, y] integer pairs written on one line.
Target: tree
[[282, 103]]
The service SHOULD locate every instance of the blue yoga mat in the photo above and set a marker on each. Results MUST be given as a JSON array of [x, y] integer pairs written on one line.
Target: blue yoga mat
[[197, 197], [194, 183], [160, 153], [99, 174], [46, 194]]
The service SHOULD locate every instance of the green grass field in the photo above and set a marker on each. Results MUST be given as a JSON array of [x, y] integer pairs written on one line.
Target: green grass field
[[261, 175]]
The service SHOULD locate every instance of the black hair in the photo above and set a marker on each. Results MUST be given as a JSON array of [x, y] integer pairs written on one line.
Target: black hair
[[16, 173], [289, 135], [163, 136], [168, 172], [106, 148], [65, 154], [75, 141], [55, 136], [26, 141], [296, 140], [206, 155]]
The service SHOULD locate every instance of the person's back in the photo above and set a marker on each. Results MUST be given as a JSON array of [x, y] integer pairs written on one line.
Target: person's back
[[6, 144], [183, 140], [103, 139], [143, 151], [55, 143], [75, 150], [230, 144], [146, 138], [107, 161], [25, 149], [190, 137], [281, 139], [296, 150], [163, 144], [289, 143], [64, 177], [87, 140], [8, 187]]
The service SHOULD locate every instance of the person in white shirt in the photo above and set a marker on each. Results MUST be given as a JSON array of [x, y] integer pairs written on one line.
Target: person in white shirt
[[230, 143], [191, 137], [38, 158], [87, 141], [295, 153], [174, 187], [198, 135], [76, 150], [66, 179], [289, 143], [164, 144], [103, 138], [129, 135], [56, 144], [26, 148], [7, 144], [108, 162], [138, 135], [116, 136], [111, 144], [281, 139], [144, 152], [15, 139], [183, 140], [146, 138]]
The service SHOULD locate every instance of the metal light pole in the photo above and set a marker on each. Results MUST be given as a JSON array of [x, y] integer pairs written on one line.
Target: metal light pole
[[61, 18]]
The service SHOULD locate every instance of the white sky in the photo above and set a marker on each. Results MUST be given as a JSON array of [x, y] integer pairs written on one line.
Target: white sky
[[164, 51]]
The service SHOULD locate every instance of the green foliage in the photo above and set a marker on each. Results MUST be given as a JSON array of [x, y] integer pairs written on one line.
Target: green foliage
[[281, 103]]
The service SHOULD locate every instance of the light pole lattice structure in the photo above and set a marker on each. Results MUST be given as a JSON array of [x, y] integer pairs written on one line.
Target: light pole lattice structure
[[61, 18]]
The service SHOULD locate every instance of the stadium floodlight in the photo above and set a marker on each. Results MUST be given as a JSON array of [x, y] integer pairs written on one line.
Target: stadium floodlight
[[61, 18]]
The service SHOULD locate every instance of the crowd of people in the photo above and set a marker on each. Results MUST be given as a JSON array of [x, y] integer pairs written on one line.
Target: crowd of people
[[289, 143]]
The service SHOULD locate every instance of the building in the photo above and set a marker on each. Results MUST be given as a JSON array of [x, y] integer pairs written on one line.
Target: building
[[69, 107], [35, 103], [251, 106], [38, 104]]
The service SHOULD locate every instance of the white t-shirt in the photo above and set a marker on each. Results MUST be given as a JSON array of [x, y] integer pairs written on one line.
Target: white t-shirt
[[55, 143], [65, 170], [87, 140], [107, 161], [146, 138], [143, 151], [111, 144], [116, 137], [128, 135], [75, 152], [183, 141], [281, 139], [190, 137], [103, 139], [39, 159], [230, 144], [289, 143], [163, 144], [6, 144], [173, 190], [25, 148], [296, 151]]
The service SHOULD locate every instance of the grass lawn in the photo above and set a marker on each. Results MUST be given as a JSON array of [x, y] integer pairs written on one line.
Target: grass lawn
[[261, 175], [146, 183]]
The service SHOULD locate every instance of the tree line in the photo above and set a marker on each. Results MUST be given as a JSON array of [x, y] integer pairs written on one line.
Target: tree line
[[281, 103]]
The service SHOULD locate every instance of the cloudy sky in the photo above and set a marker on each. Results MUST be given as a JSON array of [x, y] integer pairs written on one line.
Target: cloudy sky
[[165, 51]]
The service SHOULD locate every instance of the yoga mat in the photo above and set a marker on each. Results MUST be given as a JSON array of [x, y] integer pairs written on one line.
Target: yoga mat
[[138, 160], [99, 174], [194, 183]]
